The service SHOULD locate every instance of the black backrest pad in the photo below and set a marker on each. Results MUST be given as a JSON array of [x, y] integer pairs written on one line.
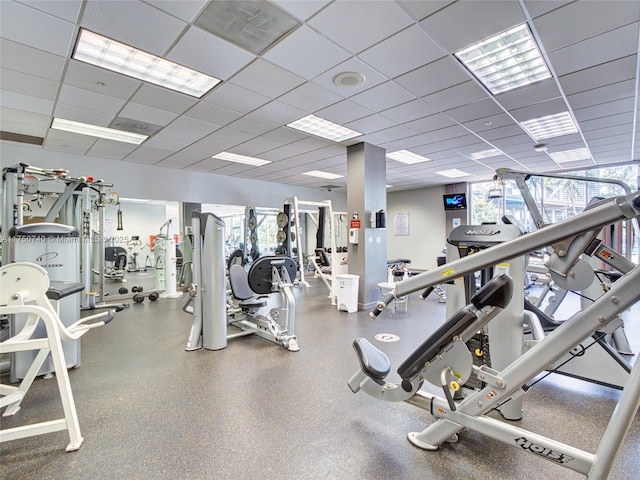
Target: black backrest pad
[[260, 272], [433, 344], [496, 293], [239, 284]]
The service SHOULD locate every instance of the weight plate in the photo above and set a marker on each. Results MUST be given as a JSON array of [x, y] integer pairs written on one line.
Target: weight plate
[[281, 236], [253, 238], [252, 222], [282, 219]]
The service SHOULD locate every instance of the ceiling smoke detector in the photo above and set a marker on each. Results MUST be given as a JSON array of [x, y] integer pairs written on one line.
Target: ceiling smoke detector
[[349, 79], [541, 147]]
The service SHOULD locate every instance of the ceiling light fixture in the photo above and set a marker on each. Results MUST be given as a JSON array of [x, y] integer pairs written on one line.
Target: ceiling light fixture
[[234, 157], [405, 156], [96, 131], [550, 126], [571, 155], [323, 128], [453, 173], [493, 152], [506, 61], [320, 174], [115, 56]]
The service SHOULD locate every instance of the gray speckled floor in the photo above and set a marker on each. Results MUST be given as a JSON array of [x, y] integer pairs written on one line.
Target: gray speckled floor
[[150, 410]]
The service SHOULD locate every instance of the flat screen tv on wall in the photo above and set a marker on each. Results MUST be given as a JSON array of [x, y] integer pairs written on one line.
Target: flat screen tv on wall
[[455, 201]]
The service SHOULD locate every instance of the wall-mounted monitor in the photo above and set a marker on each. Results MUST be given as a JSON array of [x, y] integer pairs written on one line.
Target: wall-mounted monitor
[[455, 201]]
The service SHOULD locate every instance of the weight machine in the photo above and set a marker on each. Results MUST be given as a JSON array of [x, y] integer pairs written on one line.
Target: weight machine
[[326, 216], [72, 201], [444, 360], [264, 304]]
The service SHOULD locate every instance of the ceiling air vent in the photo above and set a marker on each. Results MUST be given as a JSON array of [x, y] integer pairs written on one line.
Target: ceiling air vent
[[20, 138], [253, 25], [135, 126]]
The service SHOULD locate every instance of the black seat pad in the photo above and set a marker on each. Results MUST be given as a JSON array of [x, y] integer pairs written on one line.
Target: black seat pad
[[372, 361]]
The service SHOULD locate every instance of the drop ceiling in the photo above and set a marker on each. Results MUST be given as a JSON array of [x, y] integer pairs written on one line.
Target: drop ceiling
[[416, 95]]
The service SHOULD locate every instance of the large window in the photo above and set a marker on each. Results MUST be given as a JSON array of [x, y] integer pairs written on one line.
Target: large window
[[551, 199]]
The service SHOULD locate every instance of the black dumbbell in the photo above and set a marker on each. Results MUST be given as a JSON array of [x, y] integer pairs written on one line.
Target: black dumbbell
[[123, 290], [138, 298], [153, 296], [138, 289]]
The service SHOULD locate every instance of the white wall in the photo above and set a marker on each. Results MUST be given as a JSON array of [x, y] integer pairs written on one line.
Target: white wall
[[427, 221], [133, 180]]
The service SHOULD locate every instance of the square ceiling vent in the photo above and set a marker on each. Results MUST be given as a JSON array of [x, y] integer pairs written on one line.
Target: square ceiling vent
[[254, 25], [135, 126]]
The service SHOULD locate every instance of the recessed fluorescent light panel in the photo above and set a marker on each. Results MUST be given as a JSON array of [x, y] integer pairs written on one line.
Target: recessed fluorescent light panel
[[453, 173], [234, 157], [95, 131], [571, 155], [494, 152], [118, 57], [323, 128], [550, 126], [506, 61], [405, 156], [319, 174]]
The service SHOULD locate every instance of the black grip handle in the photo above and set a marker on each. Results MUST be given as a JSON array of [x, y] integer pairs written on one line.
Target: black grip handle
[[427, 292], [636, 202], [382, 304]]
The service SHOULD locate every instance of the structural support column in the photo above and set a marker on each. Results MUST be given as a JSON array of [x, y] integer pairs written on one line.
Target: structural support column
[[366, 195]]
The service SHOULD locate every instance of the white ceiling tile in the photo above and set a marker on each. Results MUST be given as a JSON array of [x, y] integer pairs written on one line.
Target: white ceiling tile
[[138, 25], [187, 156], [409, 49], [537, 8], [382, 97], [596, 50], [192, 126], [302, 10], [575, 19], [163, 98], [147, 155], [455, 96], [212, 113], [44, 31], [21, 58], [235, 98], [487, 123], [256, 146], [29, 85], [209, 54], [431, 78], [230, 136], [143, 113], [408, 111], [599, 75], [306, 53], [430, 123], [370, 124], [344, 112], [66, 10], [473, 111], [85, 115], [253, 125], [347, 24], [608, 121], [80, 97], [535, 93], [464, 23], [420, 9], [266, 79], [309, 97], [623, 105], [604, 94], [99, 80], [539, 110], [60, 141], [26, 103], [27, 123], [185, 10], [110, 149], [278, 113]]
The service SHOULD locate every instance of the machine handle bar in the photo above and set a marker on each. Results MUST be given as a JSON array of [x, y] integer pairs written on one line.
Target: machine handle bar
[[382, 304]]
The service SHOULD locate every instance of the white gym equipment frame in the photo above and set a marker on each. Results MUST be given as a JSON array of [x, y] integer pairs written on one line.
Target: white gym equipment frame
[[328, 279], [23, 288], [570, 238]]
